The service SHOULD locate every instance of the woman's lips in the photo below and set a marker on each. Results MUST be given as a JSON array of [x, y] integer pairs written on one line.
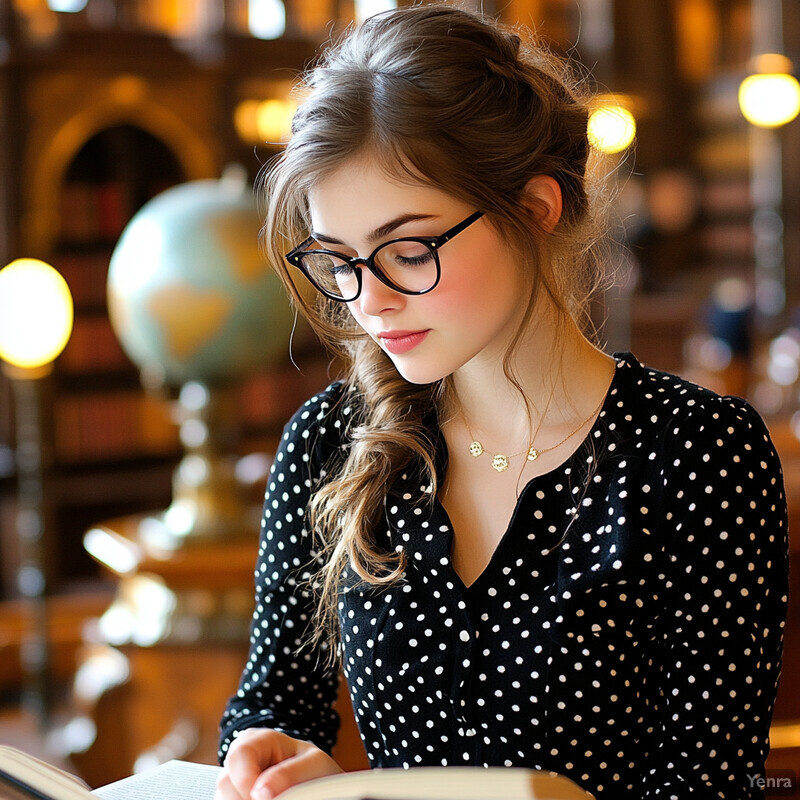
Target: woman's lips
[[398, 342]]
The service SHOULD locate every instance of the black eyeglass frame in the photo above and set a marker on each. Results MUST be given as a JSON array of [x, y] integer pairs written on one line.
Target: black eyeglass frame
[[434, 243]]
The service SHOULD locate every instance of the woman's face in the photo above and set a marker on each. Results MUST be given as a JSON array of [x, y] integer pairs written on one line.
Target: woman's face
[[470, 317]]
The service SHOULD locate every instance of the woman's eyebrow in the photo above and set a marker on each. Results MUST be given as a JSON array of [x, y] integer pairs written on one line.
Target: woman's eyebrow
[[381, 232]]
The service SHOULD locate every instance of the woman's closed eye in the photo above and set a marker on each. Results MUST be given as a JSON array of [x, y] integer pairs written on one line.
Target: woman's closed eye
[[405, 255], [340, 268]]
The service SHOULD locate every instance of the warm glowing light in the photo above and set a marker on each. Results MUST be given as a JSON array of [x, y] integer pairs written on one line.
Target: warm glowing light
[[265, 120], [175, 18], [41, 24], [611, 127], [266, 18], [275, 119], [770, 99], [245, 120], [36, 313]]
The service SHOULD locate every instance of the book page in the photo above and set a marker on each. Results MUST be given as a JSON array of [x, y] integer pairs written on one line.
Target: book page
[[175, 780], [23, 775]]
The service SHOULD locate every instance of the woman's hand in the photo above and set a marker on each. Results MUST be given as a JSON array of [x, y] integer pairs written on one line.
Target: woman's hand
[[261, 763]]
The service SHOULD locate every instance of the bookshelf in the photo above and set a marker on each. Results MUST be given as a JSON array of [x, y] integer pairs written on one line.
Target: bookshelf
[[724, 163], [113, 445]]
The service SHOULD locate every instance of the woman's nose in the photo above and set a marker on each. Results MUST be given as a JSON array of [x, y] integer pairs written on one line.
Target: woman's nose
[[376, 297]]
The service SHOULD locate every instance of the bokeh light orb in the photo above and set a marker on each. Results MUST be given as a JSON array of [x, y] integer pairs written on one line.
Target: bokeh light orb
[[611, 128], [769, 100], [36, 313]]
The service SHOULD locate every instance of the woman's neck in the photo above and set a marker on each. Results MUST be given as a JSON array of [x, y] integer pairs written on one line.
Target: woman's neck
[[561, 375]]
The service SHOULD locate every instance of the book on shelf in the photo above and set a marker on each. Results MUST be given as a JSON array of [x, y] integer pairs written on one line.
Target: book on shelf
[[23, 777], [112, 425], [93, 347], [85, 274], [93, 211]]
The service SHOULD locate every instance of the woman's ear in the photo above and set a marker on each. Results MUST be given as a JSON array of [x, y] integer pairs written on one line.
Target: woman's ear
[[542, 196]]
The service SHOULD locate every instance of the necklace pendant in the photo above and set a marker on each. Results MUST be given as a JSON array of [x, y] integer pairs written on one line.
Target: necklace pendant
[[476, 449], [533, 454], [500, 463]]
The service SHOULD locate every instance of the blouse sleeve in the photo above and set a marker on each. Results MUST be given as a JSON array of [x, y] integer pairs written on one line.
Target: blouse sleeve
[[725, 602], [286, 685]]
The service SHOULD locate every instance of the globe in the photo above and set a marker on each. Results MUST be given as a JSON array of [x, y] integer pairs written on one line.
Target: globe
[[190, 296]]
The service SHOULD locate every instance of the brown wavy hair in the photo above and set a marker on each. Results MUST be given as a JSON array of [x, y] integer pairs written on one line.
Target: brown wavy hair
[[446, 97]]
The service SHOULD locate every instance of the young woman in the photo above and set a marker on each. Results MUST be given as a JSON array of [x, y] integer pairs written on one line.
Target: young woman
[[519, 550]]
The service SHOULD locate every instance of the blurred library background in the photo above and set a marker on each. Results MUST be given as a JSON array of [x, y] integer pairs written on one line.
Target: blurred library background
[[135, 445]]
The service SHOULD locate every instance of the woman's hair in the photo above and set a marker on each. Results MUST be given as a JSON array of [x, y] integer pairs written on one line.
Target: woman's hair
[[441, 96]]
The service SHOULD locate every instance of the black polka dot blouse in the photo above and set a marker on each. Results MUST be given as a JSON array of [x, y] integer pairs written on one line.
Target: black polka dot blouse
[[627, 631]]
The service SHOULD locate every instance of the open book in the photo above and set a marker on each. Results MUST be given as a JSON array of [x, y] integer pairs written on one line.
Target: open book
[[23, 777]]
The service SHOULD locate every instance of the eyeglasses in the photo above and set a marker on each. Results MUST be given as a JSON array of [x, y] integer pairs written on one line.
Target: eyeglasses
[[409, 265]]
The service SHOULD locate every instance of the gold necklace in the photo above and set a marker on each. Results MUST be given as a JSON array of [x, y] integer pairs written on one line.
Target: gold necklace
[[500, 461]]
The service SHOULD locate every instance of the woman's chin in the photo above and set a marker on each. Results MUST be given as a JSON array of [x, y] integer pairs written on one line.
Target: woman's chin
[[419, 374]]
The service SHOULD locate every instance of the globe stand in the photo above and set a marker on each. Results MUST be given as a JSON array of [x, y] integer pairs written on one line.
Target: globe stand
[[208, 501], [175, 635]]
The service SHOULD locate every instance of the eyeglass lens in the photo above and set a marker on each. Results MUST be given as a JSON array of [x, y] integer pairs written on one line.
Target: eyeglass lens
[[408, 264]]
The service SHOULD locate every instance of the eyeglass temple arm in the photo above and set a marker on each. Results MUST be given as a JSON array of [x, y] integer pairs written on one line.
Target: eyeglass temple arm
[[446, 237], [294, 254]]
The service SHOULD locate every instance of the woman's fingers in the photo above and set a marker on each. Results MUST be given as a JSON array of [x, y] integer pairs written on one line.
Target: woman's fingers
[[308, 763], [225, 789], [253, 751], [261, 763]]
